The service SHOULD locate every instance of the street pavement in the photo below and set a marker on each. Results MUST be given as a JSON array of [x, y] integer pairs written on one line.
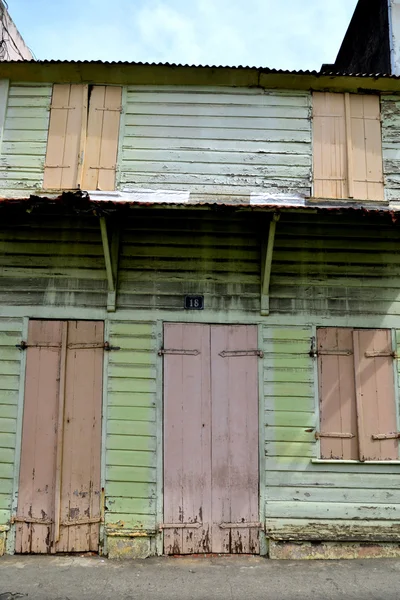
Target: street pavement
[[231, 578]]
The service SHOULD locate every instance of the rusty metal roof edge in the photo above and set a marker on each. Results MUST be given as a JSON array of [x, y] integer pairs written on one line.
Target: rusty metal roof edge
[[83, 201], [306, 72]]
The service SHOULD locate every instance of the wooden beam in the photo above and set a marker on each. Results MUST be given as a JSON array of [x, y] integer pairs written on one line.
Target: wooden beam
[[111, 261], [349, 146], [266, 269]]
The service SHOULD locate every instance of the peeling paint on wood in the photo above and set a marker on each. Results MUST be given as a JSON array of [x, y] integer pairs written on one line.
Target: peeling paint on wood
[[332, 551]]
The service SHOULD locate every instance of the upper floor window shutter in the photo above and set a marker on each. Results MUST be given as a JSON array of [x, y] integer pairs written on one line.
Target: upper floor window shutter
[[366, 146], [347, 146], [329, 146], [99, 166], [67, 117], [376, 408], [338, 416]]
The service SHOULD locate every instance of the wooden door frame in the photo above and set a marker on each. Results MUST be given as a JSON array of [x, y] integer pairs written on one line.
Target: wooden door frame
[[11, 533], [160, 429]]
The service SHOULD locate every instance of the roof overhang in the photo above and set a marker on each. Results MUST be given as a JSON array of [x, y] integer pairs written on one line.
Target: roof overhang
[[131, 73]]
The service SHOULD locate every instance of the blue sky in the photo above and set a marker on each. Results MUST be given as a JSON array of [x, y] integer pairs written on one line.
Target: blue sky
[[286, 34]]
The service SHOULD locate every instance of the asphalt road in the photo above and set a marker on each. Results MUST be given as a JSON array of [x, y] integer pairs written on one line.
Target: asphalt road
[[232, 578]]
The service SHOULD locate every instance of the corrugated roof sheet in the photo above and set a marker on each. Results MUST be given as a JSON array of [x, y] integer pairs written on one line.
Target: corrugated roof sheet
[[199, 66]]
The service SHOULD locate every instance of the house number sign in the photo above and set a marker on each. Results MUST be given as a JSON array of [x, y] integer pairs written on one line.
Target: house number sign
[[194, 302]]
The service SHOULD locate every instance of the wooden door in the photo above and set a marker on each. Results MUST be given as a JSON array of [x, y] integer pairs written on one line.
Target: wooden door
[[59, 484], [211, 482]]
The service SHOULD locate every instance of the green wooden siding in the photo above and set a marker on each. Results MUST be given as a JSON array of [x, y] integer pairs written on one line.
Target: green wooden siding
[[23, 150], [10, 358], [390, 115], [52, 262], [214, 141], [131, 443], [296, 488]]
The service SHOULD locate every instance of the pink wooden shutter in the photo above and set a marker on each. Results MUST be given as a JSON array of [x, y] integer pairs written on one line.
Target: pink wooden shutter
[[329, 146], [102, 138], [338, 417], [68, 109], [366, 147], [374, 376]]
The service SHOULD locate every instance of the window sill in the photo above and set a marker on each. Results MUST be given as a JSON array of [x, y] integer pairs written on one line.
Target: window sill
[[326, 461]]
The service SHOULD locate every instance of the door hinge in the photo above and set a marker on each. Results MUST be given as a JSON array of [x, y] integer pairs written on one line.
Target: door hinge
[[163, 351], [394, 435], [319, 435], [380, 354], [314, 352], [241, 525], [228, 353], [78, 346], [180, 525]]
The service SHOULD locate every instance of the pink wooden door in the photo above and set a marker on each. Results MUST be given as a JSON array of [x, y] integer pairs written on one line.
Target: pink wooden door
[[211, 483], [187, 439], [59, 486]]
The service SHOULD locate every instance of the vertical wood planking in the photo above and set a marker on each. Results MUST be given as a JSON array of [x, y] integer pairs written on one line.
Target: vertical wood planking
[[329, 146], [235, 481], [187, 439], [64, 139], [366, 146], [38, 452], [375, 393], [82, 434], [102, 138], [337, 393]]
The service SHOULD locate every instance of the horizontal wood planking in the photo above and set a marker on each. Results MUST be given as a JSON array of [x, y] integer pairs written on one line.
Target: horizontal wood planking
[[131, 444], [10, 367], [295, 486], [314, 273], [390, 123], [24, 144], [212, 141], [52, 262]]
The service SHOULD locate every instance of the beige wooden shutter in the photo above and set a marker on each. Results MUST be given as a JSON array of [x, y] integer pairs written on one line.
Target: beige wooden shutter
[[329, 146], [67, 116], [338, 416], [376, 409], [366, 147], [102, 138]]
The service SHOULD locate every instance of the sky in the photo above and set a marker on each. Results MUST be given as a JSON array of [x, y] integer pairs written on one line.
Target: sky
[[281, 34]]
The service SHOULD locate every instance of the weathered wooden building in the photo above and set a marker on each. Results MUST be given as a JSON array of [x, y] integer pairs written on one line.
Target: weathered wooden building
[[199, 310]]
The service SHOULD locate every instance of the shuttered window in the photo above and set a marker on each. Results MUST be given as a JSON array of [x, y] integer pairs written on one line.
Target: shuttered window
[[358, 418], [83, 137], [347, 146]]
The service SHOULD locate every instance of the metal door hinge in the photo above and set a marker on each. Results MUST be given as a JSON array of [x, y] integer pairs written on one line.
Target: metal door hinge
[[319, 435], [394, 435], [180, 525], [380, 354], [241, 525], [314, 352], [79, 346], [228, 353], [163, 351]]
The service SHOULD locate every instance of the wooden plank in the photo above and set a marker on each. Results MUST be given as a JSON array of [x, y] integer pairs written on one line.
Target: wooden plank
[[187, 439], [337, 393], [332, 510], [80, 493], [235, 477], [38, 452], [375, 394]]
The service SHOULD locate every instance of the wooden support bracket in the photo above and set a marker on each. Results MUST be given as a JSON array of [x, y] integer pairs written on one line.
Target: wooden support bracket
[[111, 256], [266, 268]]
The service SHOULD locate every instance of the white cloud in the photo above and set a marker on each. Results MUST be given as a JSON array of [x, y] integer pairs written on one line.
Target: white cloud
[[295, 34]]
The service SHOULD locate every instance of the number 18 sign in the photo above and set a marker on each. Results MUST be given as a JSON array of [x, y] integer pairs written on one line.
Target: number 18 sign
[[194, 302]]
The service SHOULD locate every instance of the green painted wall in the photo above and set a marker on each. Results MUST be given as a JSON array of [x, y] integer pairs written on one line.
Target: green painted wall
[[327, 270], [23, 149]]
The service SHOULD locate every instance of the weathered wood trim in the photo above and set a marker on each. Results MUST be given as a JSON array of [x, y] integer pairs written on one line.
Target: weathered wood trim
[[104, 422], [160, 437], [267, 268], [330, 530], [18, 439], [111, 262], [4, 87], [150, 74], [396, 377], [261, 439], [121, 136]]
